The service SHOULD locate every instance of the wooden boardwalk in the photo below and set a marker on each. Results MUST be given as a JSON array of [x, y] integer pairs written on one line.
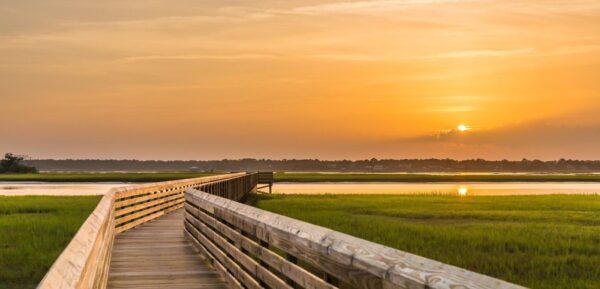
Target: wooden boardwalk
[[139, 237], [156, 255]]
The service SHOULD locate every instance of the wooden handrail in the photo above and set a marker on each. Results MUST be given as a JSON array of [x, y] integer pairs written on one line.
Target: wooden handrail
[[253, 247], [135, 205], [85, 262]]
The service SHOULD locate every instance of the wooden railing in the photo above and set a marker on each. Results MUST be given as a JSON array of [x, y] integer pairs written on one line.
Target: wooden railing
[[266, 179], [139, 204], [253, 248], [86, 260]]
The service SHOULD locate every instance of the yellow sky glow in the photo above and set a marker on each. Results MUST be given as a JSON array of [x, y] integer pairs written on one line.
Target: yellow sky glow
[[330, 79]]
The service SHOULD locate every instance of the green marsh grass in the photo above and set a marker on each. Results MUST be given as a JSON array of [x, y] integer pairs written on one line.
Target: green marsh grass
[[302, 177], [100, 177], [34, 230], [416, 178], [544, 242]]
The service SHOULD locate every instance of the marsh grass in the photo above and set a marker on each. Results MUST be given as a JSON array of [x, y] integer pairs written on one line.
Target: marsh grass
[[417, 178], [302, 177], [100, 177], [33, 232], [538, 241]]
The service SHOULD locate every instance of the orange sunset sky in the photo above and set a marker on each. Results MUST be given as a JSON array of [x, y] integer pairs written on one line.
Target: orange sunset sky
[[189, 79]]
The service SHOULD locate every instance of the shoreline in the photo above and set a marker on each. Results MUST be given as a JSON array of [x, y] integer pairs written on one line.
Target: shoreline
[[303, 177]]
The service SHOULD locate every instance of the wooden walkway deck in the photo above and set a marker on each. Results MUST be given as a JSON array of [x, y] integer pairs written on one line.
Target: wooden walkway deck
[[156, 255], [135, 239]]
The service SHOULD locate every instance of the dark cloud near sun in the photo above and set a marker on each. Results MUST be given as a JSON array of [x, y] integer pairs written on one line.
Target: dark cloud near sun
[[570, 136]]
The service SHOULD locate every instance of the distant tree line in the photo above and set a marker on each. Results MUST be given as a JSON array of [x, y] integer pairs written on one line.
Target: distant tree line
[[371, 165], [14, 164]]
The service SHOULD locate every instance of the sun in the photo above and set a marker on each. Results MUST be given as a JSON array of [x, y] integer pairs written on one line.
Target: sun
[[463, 190], [463, 127]]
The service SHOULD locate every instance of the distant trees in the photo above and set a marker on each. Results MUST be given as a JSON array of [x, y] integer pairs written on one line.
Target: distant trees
[[367, 165], [12, 164]]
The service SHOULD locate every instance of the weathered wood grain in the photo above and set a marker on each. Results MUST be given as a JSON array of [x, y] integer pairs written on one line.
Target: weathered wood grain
[[242, 276], [233, 283], [135, 205], [144, 202], [141, 212], [143, 189], [251, 266], [360, 263], [237, 240], [156, 255], [146, 218], [289, 269], [85, 263]]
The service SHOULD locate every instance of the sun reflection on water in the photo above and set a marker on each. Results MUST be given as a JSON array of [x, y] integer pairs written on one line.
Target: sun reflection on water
[[463, 190]]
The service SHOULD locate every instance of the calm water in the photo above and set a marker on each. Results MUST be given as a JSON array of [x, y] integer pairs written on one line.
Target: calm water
[[473, 189], [59, 189]]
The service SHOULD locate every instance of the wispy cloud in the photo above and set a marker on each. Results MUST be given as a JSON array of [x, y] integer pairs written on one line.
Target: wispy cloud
[[154, 22], [223, 15], [241, 56], [368, 6], [454, 109], [378, 57], [354, 57], [572, 50], [483, 53]]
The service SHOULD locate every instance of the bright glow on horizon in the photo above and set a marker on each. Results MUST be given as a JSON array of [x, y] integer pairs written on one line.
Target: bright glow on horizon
[[463, 190], [463, 127]]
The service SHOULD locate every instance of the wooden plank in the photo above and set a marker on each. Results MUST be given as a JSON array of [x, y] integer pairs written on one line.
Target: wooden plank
[[120, 206], [145, 215], [246, 261], [126, 192], [156, 201], [145, 210], [172, 264], [86, 260], [316, 254], [231, 266], [265, 177], [234, 283], [361, 263], [80, 264], [147, 218], [296, 273], [103, 261]]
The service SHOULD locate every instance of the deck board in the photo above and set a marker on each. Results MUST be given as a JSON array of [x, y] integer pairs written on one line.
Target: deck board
[[156, 255]]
